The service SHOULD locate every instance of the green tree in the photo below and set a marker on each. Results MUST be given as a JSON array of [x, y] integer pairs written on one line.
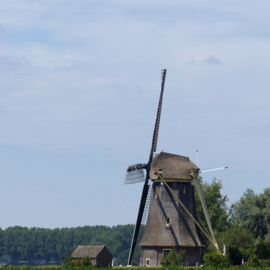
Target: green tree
[[239, 242], [44, 246], [2, 251], [253, 261], [262, 249], [252, 211], [216, 260], [217, 208], [86, 261], [173, 259], [66, 260], [237, 237]]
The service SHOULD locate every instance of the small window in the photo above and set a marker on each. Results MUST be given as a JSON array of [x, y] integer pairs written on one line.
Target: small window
[[168, 223], [166, 253], [184, 190]]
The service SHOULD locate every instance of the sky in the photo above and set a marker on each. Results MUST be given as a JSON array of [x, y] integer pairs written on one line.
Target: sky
[[79, 88]]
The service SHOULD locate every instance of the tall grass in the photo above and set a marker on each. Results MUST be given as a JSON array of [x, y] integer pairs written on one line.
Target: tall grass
[[127, 268]]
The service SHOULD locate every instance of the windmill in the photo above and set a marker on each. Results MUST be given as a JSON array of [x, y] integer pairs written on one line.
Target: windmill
[[168, 205]]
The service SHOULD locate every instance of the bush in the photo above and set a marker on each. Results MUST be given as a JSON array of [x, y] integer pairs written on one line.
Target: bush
[[76, 263], [86, 261], [216, 260], [66, 260], [253, 261], [246, 253], [174, 259], [262, 249], [265, 263], [237, 237]]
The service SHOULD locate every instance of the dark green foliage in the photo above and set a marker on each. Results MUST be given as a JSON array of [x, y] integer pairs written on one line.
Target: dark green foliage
[[252, 211], [237, 237], [115, 268], [66, 260], [246, 253], [1, 242], [75, 264], [239, 241], [262, 249], [217, 208], [86, 261], [173, 259], [253, 261], [216, 260], [265, 263]]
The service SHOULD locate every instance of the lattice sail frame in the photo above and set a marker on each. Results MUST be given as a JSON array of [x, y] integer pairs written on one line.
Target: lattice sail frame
[[146, 186], [134, 176]]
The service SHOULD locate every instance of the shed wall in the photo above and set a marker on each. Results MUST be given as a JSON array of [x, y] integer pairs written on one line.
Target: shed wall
[[104, 258]]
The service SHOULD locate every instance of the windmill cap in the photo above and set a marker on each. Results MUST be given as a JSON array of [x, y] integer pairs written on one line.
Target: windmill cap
[[172, 166]]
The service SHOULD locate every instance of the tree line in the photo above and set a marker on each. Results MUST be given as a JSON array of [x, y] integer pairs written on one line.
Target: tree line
[[240, 226], [21, 245]]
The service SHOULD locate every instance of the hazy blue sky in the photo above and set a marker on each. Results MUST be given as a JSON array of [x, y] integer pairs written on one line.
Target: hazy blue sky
[[79, 87]]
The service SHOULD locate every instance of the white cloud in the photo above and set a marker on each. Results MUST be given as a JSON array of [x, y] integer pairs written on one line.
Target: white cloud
[[211, 60]]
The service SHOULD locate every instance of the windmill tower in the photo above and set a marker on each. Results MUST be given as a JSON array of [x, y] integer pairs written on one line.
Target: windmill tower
[[172, 221], [168, 225]]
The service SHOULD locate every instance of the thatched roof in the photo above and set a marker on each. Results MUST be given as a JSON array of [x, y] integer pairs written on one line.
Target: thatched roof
[[172, 166], [82, 251]]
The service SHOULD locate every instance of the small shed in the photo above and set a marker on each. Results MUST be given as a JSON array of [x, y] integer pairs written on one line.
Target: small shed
[[100, 255]]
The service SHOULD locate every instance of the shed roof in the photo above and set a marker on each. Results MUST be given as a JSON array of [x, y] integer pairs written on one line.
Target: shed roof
[[82, 251]]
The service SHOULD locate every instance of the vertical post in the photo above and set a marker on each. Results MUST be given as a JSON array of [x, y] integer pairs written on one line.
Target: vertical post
[[206, 214]]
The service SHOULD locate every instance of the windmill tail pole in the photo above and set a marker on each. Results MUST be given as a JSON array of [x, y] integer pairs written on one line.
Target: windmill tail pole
[[217, 169], [205, 210], [146, 186]]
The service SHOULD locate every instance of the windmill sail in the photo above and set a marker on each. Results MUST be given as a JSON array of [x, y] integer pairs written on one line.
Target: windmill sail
[[134, 176], [146, 186]]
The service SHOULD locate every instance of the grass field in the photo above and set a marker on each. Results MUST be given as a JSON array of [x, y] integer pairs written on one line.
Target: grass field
[[121, 268]]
